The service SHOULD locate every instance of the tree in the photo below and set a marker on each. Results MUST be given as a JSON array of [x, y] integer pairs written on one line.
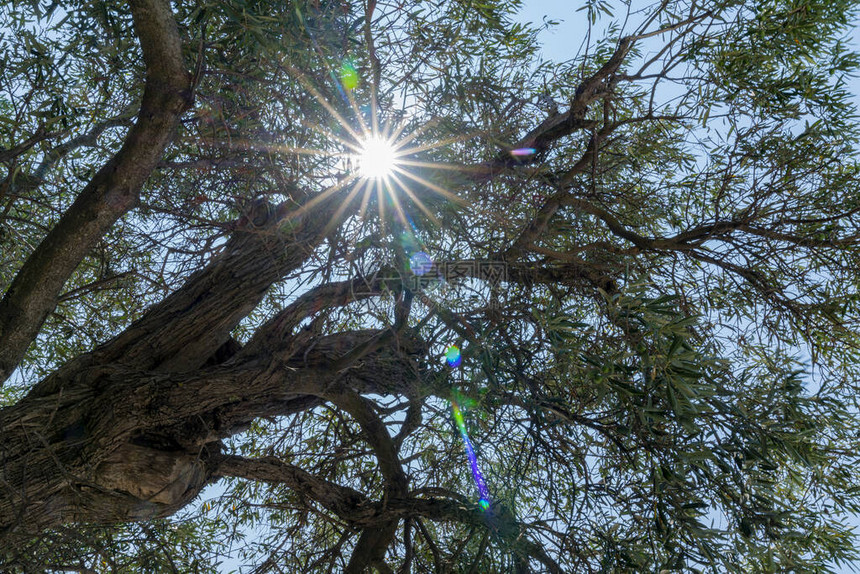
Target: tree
[[599, 315]]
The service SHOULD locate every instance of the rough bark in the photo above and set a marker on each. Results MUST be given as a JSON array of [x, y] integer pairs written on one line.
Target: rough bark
[[125, 432], [112, 192], [132, 430], [113, 444]]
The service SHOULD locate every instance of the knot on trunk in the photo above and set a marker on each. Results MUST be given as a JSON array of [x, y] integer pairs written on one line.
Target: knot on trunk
[[153, 476]]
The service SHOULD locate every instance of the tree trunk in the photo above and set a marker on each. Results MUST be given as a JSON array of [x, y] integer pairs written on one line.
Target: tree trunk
[[129, 431]]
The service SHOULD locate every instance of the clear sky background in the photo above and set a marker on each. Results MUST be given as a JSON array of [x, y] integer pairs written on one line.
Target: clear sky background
[[561, 42]]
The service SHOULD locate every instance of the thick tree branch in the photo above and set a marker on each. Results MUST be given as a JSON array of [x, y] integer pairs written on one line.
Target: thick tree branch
[[112, 192], [200, 315], [591, 89], [359, 510], [345, 502], [373, 542], [326, 296], [183, 331], [128, 444]]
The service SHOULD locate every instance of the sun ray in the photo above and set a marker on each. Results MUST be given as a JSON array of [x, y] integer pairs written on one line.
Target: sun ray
[[444, 166], [323, 102], [374, 118], [365, 199], [424, 209], [268, 147], [387, 129], [399, 130], [374, 103], [417, 132], [441, 143], [335, 219], [322, 196], [329, 134], [440, 190], [398, 208], [380, 204], [365, 129], [301, 150]]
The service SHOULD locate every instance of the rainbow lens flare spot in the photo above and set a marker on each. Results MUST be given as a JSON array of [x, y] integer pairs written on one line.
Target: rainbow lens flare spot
[[452, 356], [484, 503], [420, 263], [348, 76], [523, 151]]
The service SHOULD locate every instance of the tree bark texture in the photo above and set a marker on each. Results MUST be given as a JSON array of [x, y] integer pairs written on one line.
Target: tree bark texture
[[130, 430], [113, 191]]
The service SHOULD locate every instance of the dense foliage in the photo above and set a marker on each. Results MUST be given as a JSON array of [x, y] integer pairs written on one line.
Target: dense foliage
[[647, 257]]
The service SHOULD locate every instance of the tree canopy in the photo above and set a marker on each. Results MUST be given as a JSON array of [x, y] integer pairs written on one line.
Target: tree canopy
[[397, 294]]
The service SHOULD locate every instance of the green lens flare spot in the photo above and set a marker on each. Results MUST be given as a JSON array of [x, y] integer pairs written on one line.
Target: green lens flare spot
[[348, 76]]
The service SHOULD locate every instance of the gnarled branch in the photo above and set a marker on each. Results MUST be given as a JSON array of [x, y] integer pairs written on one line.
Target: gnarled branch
[[112, 192]]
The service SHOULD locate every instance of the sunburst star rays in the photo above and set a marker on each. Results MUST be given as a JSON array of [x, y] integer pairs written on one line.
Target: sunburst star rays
[[380, 157], [377, 158]]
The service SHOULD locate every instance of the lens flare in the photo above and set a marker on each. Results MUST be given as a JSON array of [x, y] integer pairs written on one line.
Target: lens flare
[[452, 356], [523, 152], [374, 153], [377, 158], [348, 75], [420, 263], [484, 500]]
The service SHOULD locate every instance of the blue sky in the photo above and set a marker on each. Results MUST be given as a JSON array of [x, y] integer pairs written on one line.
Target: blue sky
[[561, 42]]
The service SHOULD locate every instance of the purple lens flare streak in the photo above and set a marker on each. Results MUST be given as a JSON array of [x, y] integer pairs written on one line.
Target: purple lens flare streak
[[483, 492], [523, 152], [454, 358]]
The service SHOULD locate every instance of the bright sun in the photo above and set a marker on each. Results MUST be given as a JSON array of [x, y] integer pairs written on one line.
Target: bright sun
[[377, 157]]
